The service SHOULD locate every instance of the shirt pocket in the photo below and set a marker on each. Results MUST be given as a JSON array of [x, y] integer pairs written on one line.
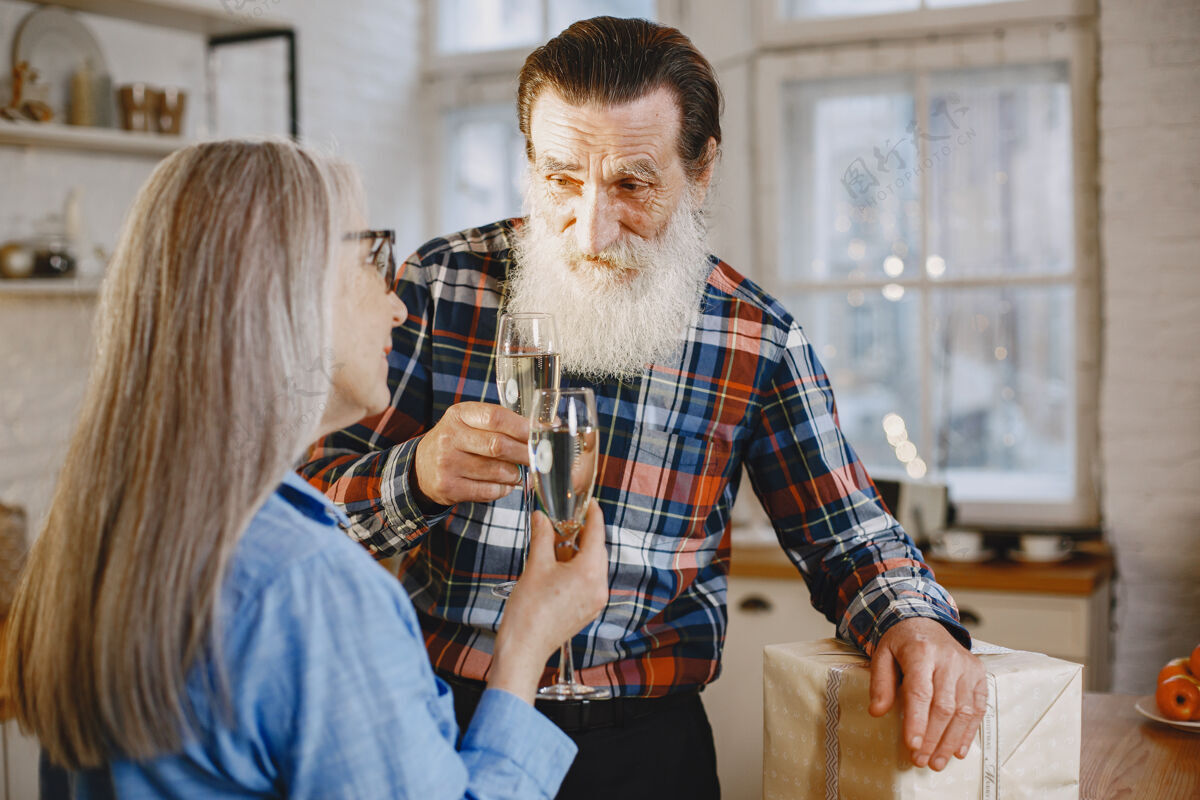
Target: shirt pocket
[[669, 477], [691, 453]]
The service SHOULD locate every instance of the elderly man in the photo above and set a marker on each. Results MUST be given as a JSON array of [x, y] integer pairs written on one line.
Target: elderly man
[[697, 374]]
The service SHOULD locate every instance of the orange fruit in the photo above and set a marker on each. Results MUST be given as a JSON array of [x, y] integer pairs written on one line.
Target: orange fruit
[[1176, 666], [1178, 698], [1194, 662]]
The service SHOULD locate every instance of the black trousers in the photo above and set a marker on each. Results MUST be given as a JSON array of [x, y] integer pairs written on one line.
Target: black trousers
[[659, 749]]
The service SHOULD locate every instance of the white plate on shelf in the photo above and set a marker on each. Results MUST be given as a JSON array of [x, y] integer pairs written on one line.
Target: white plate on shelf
[[1148, 708], [1050, 558], [941, 554]]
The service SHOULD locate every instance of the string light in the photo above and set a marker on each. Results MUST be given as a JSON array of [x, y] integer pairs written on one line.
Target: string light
[[906, 451]]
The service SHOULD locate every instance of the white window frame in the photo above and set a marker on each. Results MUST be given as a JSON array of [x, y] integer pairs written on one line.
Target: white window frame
[[437, 97], [1063, 41], [773, 30]]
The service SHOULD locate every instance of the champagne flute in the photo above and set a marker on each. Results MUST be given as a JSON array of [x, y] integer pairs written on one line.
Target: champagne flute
[[563, 444], [526, 360]]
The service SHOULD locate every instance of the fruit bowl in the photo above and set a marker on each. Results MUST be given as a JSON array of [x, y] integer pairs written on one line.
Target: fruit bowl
[[1147, 708]]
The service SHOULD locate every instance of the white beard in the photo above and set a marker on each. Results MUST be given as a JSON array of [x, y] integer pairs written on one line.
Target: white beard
[[613, 319]]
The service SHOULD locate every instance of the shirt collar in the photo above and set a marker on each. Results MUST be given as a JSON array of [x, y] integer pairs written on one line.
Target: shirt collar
[[303, 496]]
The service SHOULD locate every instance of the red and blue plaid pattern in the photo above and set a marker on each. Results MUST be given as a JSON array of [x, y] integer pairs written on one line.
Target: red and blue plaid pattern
[[746, 390]]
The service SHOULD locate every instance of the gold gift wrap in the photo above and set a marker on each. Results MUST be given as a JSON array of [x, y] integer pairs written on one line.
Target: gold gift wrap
[[820, 742]]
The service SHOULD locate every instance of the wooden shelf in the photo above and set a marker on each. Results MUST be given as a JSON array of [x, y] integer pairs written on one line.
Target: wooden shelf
[[62, 287], [209, 17], [106, 140]]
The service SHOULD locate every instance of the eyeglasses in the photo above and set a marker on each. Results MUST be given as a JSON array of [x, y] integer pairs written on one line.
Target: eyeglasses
[[382, 256]]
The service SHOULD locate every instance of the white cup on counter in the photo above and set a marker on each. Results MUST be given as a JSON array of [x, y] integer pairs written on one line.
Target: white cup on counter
[[1044, 547], [958, 544]]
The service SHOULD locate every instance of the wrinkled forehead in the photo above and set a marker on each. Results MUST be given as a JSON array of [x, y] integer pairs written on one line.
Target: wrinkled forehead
[[644, 130]]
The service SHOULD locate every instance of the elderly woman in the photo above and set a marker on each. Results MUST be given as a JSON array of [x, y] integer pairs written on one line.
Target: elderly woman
[[191, 621]]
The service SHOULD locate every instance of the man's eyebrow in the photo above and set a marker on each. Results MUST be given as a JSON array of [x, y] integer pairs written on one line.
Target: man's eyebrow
[[551, 164], [642, 169]]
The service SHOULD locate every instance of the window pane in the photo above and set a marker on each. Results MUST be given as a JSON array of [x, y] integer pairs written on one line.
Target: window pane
[[999, 168], [868, 345], [1000, 394], [564, 12], [1003, 392], [850, 207], [797, 9], [482, 167], [466, 26]]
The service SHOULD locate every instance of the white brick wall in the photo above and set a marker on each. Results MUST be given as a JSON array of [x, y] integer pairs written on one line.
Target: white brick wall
[[1149, 133], [44, 355]]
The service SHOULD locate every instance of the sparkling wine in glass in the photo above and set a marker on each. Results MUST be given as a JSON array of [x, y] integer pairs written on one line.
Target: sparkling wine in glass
[[563, 445], [519, 375], [526, 360]]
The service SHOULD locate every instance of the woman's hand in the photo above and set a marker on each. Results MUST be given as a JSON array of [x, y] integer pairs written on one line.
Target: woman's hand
[[552, 602]]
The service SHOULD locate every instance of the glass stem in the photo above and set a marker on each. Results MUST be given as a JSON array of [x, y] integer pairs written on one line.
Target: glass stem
[[527, 489], [566, 667]]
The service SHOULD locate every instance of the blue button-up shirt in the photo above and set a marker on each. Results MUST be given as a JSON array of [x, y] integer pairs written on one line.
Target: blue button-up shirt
[[332, 692]]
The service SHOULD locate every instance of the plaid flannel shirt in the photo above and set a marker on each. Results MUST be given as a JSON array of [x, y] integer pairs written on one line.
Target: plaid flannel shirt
[[746, 390]]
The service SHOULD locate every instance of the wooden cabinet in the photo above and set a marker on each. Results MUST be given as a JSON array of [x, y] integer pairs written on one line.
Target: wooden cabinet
[[1071, 628], [1058, 609], [762, 611], [20, 764]]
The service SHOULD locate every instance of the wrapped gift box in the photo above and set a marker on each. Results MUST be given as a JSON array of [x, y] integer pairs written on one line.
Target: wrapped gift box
[[820, 742]]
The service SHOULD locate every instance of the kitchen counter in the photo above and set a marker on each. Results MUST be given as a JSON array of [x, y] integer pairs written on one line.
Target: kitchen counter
[[1126, 755], [1088, 568]]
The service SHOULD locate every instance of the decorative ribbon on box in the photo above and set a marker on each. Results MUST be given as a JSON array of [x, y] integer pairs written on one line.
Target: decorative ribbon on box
[[820, 742]]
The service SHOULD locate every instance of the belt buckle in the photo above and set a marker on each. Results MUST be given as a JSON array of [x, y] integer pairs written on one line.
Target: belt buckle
[[572, 715]]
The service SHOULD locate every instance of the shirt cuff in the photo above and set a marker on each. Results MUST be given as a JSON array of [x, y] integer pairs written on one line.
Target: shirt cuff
[[541, 751], [899, 611], [891, 597], [404, 516], [906, 611]]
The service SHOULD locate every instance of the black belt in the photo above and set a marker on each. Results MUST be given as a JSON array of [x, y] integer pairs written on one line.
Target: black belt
[[574, 716]]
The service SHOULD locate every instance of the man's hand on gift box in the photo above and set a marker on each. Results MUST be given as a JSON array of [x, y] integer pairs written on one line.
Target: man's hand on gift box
[[943, 689]]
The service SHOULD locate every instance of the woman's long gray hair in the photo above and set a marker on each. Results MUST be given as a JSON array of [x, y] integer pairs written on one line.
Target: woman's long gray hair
[[210, 378]]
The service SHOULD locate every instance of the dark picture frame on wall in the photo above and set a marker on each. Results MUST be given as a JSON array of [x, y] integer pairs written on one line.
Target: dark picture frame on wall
[[252, 84]]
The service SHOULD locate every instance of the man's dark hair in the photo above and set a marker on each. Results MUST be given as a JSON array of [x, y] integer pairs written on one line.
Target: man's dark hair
[[612, 61]]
